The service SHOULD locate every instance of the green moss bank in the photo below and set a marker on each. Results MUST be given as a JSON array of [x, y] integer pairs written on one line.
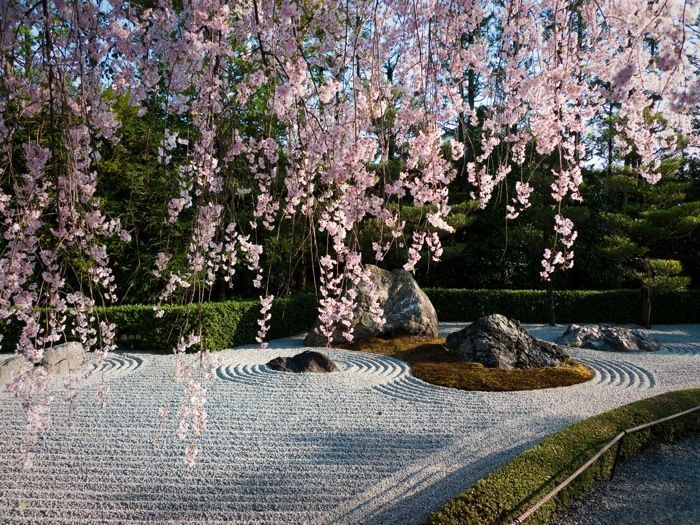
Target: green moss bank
[[507, 492]]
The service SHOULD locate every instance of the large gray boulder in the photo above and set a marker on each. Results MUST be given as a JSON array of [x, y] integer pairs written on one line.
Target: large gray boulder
[[64, 358], [307, 361], [609, 338], [498, 342], [407, 310]]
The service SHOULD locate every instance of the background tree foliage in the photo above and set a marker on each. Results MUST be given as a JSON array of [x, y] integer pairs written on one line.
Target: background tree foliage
[[624, 223], [625, 226]]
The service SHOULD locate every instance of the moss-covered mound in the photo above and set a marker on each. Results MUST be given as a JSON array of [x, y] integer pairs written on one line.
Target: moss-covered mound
[[431, 362]]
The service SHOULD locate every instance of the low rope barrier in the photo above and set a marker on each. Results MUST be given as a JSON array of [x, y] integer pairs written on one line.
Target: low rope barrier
[[618, 438]]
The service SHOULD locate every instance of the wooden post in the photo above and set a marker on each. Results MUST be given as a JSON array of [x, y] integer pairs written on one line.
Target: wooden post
[[646, 306], [552, 306]]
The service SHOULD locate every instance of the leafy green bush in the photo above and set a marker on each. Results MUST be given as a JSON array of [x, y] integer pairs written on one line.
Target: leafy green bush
[[507, 492], [580, 306], [663, 275]]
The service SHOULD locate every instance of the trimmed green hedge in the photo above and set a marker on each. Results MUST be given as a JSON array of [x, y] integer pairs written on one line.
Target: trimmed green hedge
[[222, 324], [230, 323], [580, 306], [507, 492]]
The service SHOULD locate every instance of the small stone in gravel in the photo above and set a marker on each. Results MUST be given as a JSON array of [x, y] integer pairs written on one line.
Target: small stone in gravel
[[307, 361]]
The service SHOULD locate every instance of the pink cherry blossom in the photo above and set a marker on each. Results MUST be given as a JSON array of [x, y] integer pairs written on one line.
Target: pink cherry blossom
[[546, 71]]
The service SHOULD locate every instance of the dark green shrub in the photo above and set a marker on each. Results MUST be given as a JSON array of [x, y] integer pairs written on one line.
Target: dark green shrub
[[676, 307]]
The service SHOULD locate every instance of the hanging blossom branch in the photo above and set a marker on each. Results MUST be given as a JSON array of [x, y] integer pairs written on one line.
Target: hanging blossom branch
[[52, 105], [556, 66], [327, 137], [345, 85]]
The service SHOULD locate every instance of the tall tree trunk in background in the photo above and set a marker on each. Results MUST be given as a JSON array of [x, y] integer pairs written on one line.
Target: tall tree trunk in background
[[304, 276], [463, 123], [552, 305], [610, 139], [471, 89], [219, 291], [646, 306]]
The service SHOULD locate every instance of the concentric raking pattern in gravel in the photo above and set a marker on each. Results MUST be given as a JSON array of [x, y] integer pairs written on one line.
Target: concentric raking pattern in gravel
[[117, 364], [682, 348], [619, 373], [369, 444], [357, 370]]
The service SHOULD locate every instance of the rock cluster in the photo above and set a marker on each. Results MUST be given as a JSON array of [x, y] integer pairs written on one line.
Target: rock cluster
[[307, 361], [609, 338], [498, 342], [407, 311], [58, 360]]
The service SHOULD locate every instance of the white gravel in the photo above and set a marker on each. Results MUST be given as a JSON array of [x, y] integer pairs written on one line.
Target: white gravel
[[661, 486], [370, 444]]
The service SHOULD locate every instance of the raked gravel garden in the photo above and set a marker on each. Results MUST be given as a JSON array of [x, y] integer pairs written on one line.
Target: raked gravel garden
[[369, 444]]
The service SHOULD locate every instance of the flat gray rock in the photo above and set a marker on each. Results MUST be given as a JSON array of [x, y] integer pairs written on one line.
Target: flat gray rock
[[498, 342], [307, 361], [609, 338], [407, 311]]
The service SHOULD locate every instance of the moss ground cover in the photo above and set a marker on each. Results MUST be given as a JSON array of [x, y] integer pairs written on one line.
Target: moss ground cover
[[505, 493], [431, 362]]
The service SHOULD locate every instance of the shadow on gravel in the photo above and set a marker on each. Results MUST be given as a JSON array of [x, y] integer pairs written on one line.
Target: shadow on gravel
[[417, 502]]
